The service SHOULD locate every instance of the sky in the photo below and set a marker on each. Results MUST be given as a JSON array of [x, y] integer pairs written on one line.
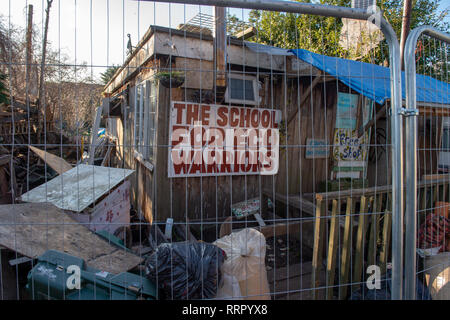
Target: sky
[[95, 31]]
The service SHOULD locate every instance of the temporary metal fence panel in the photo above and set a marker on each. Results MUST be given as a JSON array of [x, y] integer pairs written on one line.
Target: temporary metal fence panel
[[260, 132], [426, 53]]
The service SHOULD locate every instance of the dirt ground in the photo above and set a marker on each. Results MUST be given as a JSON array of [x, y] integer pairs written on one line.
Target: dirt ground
[[281, 251]]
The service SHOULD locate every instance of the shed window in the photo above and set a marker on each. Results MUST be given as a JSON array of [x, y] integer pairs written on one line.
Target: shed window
[[446, 139], [144, 119], [242, 90]]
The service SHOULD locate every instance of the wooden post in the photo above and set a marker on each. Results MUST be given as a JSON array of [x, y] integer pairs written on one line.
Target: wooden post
[[374, 227], [318, 246], [387, 229], [94, 131], [346, 249], [29, 52], [304, 97], [332, 249], [360, 241], [41, 100], [161, 184]]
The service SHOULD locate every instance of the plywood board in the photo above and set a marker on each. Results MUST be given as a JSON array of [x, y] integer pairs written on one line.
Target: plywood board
[[77, 188], [31, 229]]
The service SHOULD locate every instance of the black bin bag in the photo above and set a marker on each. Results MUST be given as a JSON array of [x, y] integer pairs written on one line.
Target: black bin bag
[[186, 270]]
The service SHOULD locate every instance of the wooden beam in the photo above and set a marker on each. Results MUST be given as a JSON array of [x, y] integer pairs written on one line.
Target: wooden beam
[[386, 241], [346, 249], [186, 230], [304, 97], [107, 155], [280, 229], [332, 250], [318, 246], [294, 200], [56, 163], [360, 242], [247, 33], [374, 228], [374, 190], [372, 122], [94, 130]]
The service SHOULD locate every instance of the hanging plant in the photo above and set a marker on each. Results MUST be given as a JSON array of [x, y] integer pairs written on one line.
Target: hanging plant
[[172, 79]]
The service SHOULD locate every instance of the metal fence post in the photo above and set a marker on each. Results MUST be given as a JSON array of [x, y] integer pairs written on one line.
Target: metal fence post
[[411, 153]]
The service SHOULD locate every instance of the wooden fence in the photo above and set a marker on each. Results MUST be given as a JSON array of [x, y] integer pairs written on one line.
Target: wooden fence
[[365, 238]]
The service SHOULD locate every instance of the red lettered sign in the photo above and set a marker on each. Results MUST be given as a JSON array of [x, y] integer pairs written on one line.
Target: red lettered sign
[[211, 140]]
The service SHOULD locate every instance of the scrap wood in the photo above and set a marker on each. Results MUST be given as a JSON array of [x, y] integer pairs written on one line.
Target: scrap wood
[[5, 159], [4, 186], [78, 188], [271, 230], [31, 229], [305, 96], [56, 163], [184, 229]]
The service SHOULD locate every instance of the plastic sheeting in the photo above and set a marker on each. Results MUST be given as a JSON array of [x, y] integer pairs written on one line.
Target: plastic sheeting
[[245, 251], [186, 270], [373, 81]]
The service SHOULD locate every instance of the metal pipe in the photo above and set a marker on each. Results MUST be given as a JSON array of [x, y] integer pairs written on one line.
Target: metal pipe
[[405, 28], [220, 48], [411, 155], [396, 100]]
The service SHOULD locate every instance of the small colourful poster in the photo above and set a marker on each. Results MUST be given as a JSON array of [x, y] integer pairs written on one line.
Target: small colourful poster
[[347, 106], [348, 146]]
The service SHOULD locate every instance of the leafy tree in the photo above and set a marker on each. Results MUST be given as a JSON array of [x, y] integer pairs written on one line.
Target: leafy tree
[[430, 53], [108, 74], [289, 30], [70, 94], [322, 34], [235, 25]]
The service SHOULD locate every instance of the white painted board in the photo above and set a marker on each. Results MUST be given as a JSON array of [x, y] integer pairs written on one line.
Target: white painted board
[[77, 188]]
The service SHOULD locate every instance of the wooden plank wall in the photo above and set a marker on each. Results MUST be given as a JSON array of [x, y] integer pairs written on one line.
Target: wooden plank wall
[[315, 119], [198, 198], [429, 143], [210, 198]]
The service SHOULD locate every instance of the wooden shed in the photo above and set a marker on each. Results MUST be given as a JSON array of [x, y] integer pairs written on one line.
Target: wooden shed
[[333, 135]]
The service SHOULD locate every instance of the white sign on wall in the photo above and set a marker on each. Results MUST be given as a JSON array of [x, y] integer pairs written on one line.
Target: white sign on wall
[[316, 148], [212, 140]]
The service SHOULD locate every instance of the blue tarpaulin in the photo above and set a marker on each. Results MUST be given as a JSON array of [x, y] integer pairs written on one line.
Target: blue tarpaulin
[[373, 81]]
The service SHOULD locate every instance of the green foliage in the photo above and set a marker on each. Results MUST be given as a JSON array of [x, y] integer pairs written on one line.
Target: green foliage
[[108, 74], [4, 94], [235, 25], [168, 74], [288, 30], [322, 34], [423, 12]]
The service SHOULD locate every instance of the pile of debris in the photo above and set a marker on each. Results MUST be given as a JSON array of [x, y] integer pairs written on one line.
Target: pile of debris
[[29, 158]]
